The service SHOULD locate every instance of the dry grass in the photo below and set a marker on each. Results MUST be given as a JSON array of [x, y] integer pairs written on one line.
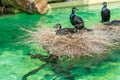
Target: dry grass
[[83, 43]]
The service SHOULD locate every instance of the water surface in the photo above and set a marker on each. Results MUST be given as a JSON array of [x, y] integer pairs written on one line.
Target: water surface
[[15, 44]]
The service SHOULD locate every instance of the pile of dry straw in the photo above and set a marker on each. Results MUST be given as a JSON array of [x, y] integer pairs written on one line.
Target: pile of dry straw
[[83, 43]]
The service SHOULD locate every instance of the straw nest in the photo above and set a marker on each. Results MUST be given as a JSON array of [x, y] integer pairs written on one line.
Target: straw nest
[[80, 44]]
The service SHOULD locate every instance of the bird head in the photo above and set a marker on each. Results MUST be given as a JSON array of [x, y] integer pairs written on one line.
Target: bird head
[[74, 9], [105, 4], [58, 26]]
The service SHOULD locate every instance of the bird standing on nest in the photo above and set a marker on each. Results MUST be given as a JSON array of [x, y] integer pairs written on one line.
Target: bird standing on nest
[[76, 21], [105, 13], [64, 31]]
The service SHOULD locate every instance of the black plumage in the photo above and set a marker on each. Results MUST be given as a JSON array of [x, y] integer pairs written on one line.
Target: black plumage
[[105, 13], [64, 31], [114, 23], [76, 21]]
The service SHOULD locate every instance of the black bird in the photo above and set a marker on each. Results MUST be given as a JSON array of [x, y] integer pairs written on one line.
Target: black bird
[[105, 13], [114, 23], [76, 21], [64, 31]]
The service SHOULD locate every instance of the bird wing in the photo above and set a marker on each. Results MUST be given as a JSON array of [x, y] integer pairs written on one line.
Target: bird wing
[[78, 19]]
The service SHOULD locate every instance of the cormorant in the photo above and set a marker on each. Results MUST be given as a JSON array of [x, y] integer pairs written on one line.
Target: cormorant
[[114, 23], [105, 13], [76, 21], [64, 31]]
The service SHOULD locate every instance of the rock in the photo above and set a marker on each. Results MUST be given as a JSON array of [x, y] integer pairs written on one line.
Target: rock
[[30, 6]]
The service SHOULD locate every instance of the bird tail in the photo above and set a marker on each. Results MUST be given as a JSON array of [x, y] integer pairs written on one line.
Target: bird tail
[[87, 29]]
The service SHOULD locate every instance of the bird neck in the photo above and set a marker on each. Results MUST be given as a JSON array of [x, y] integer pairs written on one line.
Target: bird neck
[[59, 28], [73, 14], [105, 6]]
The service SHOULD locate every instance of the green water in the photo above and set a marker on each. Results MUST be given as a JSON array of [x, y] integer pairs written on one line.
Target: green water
[[15, 44]]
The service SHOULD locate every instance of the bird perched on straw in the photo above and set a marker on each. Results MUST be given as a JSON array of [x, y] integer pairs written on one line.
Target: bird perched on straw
[[64, 31], [105, 13], [77, 21]]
